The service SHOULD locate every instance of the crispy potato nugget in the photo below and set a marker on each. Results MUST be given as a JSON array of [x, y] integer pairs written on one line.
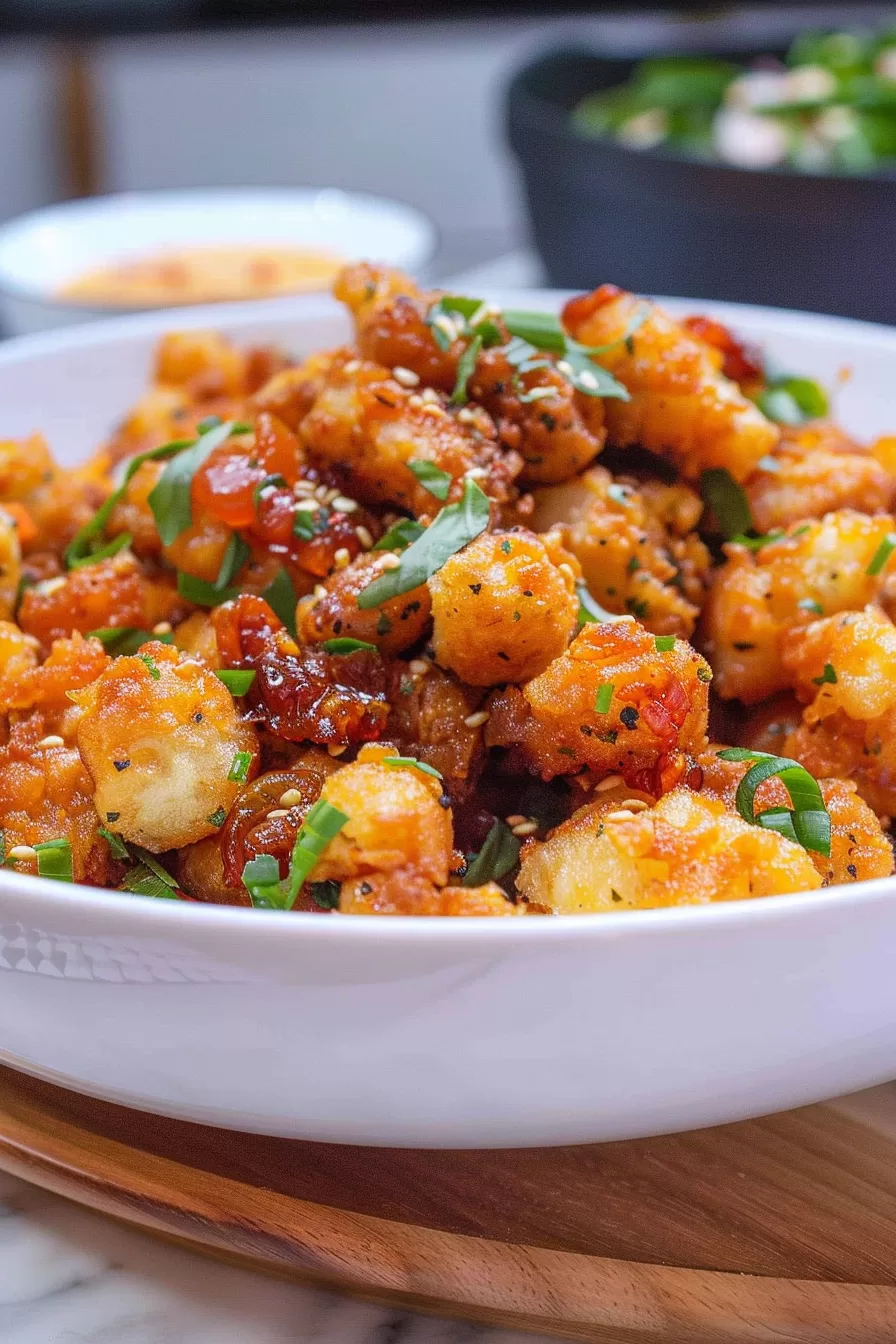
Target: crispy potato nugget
[[503, 608], [817, 470], [404, 892], [817, 569], [395, 820], [159, 733], [689, 849], [392, 627], [682, 407]]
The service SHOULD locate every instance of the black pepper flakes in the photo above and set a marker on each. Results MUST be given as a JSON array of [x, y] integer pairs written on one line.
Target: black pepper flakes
[[445, 801], [852, 870], [629, 716], [476, 588], [121, 765]]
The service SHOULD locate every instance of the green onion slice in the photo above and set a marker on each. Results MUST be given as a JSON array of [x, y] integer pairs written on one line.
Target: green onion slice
[[280, 596], [126, 639], [169, 498], [261, 876], [604, 697], [400, 535], [809, 816], [499, 853], [882, 555], [268, 481], [411, 763], [432, 478], [664, 643], [793, 401], [453, 527], [116, 844], [142, 881], [310, 523], [151, 665], [236, 679], [239, 768], [54, 859], [590, 611], [346, 645], [237, 554], [728, 503]]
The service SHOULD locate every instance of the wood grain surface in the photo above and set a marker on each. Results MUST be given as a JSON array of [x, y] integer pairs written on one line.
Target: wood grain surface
[[782, 1229]]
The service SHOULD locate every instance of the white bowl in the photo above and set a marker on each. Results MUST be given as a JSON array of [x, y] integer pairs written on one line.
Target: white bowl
[[438, 1032], [40, 252]]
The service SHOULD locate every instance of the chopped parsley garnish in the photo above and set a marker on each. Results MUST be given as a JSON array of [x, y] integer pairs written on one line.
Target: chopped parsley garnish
[[346, 645], [452, 528], [236, 679], [150, 665], [499, 853], [239, 769], [828, 676], [807, 822], [54, 859], [432, 478], [410, 763], [604, 697], [218, 817]]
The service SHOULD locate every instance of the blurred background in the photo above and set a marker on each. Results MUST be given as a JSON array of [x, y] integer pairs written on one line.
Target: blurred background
[[407, 100]]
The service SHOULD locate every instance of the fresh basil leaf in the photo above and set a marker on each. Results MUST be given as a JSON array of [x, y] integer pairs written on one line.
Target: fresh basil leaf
[[453, 527], [169, 498], [436, 481], [238, 553], [465, 367], [499, 853], [280, 596], [400, 535], [81, 549], [727, 501], [201, 593]]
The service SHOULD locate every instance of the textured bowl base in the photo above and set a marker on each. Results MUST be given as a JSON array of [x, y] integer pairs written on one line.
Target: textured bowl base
[[782, 1229]]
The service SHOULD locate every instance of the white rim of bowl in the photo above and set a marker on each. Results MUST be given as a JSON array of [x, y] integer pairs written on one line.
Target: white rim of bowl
[[430, 235]]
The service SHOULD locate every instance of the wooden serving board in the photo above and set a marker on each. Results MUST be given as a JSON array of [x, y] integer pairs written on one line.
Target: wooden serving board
[[774, 1230]]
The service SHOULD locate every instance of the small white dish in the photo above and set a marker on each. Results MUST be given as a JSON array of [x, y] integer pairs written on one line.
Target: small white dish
[[439, 1032], [43, 251]]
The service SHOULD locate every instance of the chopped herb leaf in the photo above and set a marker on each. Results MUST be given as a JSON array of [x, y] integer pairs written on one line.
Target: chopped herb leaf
[[432, 478], [325, 894], [201, 593], [169, 498], [266, 484], [116, 844], [237, 554], [727, 501], [453, 528], [236, 679], [121, 640], [809, 604], [151, 665], [664, 643], [410, 763], [499, 853], [465, 366], [239, 769], [280, 596], [218, 817], [347, 645], [400, 535], [604, 697], [828, 676], [54, 859], [882, 554], [310, 523]]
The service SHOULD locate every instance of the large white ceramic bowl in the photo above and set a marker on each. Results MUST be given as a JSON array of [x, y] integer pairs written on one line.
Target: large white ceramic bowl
[[43, 250], [439, 1032]]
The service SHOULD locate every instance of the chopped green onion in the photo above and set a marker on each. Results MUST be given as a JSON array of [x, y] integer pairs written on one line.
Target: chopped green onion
[[142, 881], [126, 639], [809, 604], [81, 550], [410, 763], [346, 645], [54, 859], [239, 769], [809, 815], [210, 422], [169, 498], [432, 478], [260, 488], [499, 853], [400, 535], [152, 863], [757, 543], [237, 554], [218, 817], [201, 593], [151, 665], [453, 527], [116, 844], [828, 676], [261, 878], [591, 611], [280, 596], [727, 501], [882, 554], [3, 859], [465, 366], [793, 401], [236, 679], [310, 523], [242, 427], [325, 894], [664, 643], [604, 697]]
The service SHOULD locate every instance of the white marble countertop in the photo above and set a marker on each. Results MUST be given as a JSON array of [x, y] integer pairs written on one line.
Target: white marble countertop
[[69, 1276]]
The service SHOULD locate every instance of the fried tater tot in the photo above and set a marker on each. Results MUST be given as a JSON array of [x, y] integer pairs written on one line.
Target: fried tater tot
[[682, 407], [816, 470]]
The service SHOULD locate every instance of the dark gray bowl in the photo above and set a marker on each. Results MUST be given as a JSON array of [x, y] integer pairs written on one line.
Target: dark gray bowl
[[659, 223]]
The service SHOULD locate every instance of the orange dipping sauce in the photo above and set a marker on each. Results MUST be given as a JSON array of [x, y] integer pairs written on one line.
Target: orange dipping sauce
[[204, 275]]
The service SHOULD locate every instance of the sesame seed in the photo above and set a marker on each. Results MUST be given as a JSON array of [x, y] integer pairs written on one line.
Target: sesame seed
[[344, 505], [320, 493], [291, 798], [418, 667], [162, 628], [430, 408], [430, 397], [478, 719], [352, 366], [307, 506], [32, 641], [466, 416], [335, 750], [390, 561], [341, 558], [527, 828], [278, 812], [319, 591], [589, 379], [621, 815], [444, 323], [515, 819], [415, 401], [51, 741], [364, 536], [567, 571], [49, 586], [407, 377], [564, 366], [304, 488], [610, 782], [539, 393], [476, 474], [23, 852], [635, 804]]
